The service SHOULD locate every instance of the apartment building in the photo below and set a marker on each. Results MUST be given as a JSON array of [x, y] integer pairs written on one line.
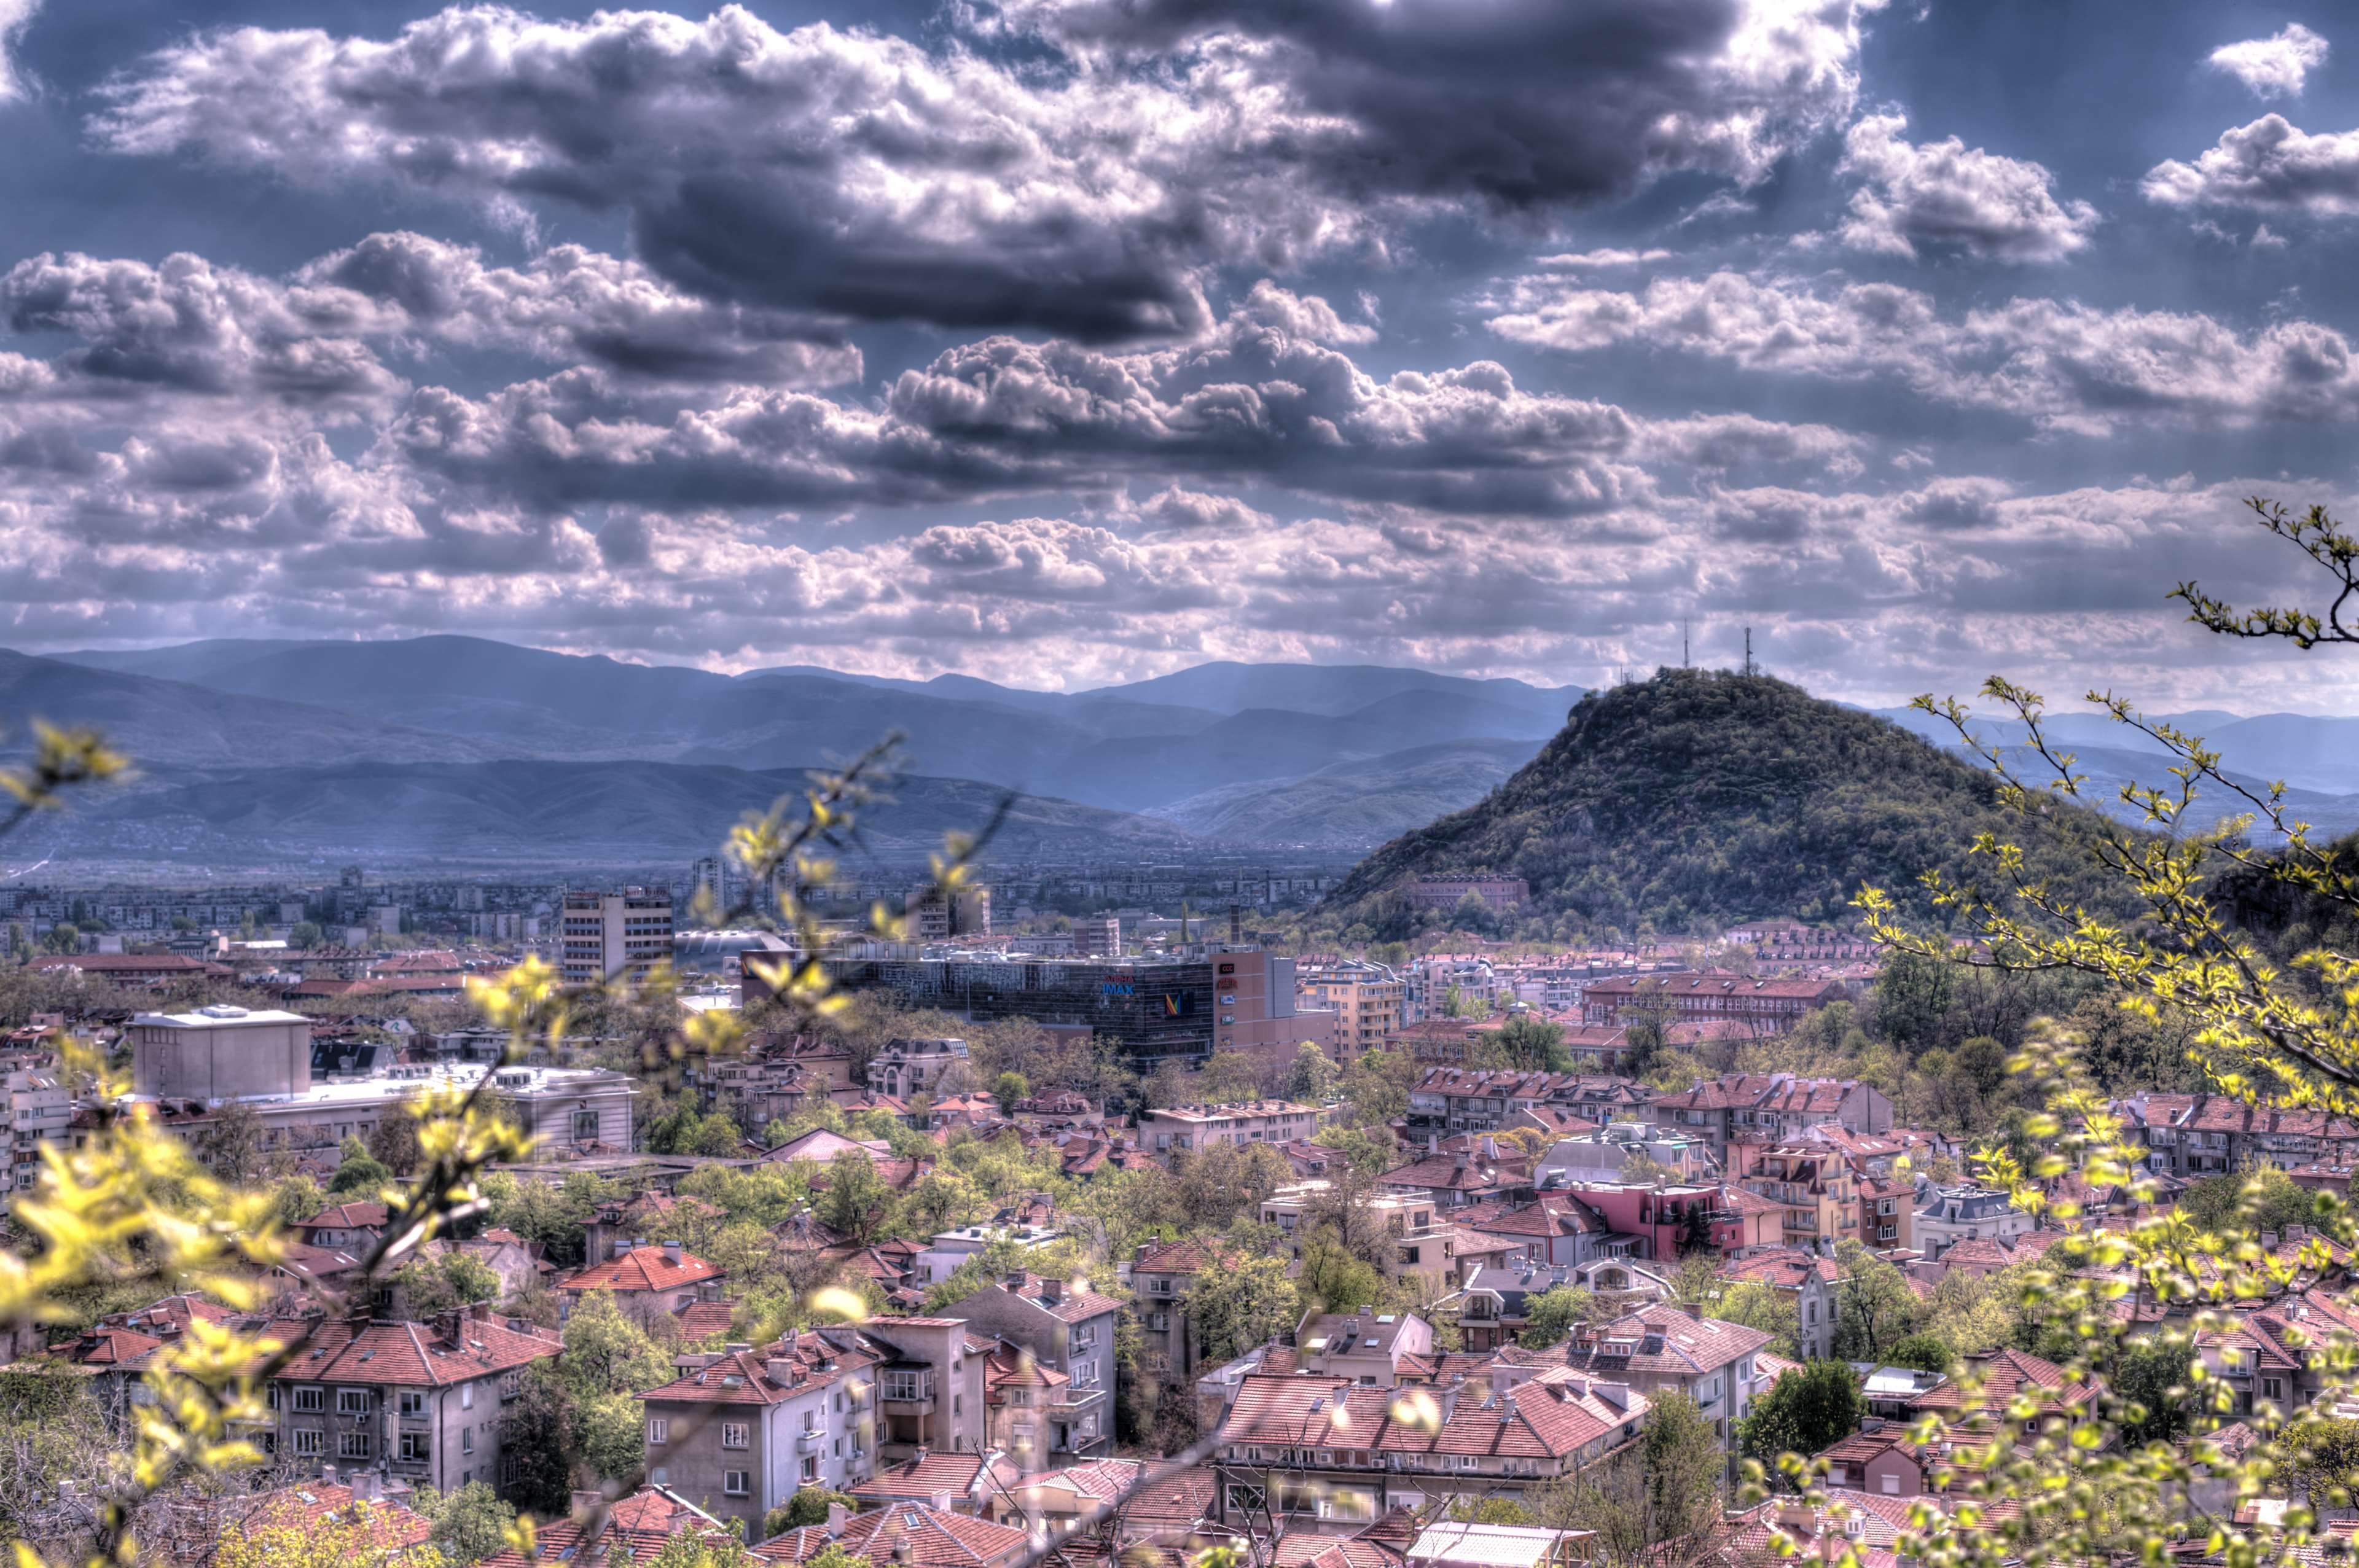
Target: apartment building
[[1159, 1277], [1068, 1329], [1671, 1347], [740, 1432], [930, 915], [1179, 1129], [2206, 1135], [930, 1388], [1370, 1347], [418, 1401], [603, 935], [1368, 1001], [1329, 1456], [1965, 1213], [1814, 1187], [39, 1110], [1762, 1005], [906, 1068], [1757, 1109], [1445, 892]]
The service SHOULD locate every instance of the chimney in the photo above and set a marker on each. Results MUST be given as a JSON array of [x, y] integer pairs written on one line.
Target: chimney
[[365, 1485], [617, 1248], [1052, 1290], [1450, 1396], [585, 1501], [671, 1253], [328, 1474], [446, 1325], [1016, 1282], [1693, 1309], [781, 1370], [838, 1515]]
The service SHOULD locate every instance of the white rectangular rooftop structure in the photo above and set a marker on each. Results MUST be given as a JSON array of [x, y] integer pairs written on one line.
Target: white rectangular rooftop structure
[[221, 1015], [1454, 1545]]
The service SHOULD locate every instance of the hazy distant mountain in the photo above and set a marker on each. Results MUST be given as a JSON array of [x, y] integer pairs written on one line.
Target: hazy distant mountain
[[536, 814], [1336, 689], [1355, 803], [2308, 752], [166, 723], [1149, 744]]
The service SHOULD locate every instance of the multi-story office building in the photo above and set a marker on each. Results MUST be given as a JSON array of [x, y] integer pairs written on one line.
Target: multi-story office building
[[1368, 1001], [220, 1053], [606, 934]]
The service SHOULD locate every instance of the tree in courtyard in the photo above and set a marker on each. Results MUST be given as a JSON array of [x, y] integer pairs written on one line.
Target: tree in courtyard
[[1533, 1043], [393, 1141], [1772, 1311], [1803, 1412], [1242, 1303], [431, 1285], [806, 1507], [1658, 1505], [1311, 1077], [857, 1202], [302, 934], [1009, 1088], [358, 1173], [1874, 1307], [470, 1524], [1548, 1317]]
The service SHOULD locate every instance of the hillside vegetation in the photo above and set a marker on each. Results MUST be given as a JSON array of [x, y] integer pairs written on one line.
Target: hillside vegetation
[[1701, 797]]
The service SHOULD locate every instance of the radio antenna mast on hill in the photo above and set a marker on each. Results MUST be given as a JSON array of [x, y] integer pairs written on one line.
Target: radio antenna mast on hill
[[1750, 667], [1685, 661]]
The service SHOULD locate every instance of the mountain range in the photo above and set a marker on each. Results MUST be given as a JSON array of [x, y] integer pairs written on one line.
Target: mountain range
[[256, 751]]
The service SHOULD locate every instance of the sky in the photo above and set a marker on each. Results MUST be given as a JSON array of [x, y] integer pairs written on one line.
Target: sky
[[1069, 342]]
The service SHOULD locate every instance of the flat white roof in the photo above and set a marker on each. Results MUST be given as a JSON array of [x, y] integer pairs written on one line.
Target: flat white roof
[[220, 1016], [373, 1090]]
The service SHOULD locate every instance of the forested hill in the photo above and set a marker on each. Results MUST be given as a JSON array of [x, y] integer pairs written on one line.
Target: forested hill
[[1701, 797]]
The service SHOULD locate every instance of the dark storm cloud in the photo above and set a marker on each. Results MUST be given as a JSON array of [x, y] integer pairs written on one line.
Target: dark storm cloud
[[1526, 103], [854, 173]]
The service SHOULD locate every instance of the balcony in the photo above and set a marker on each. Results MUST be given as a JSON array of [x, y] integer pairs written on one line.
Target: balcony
[[809, 1440], [914, 1397]]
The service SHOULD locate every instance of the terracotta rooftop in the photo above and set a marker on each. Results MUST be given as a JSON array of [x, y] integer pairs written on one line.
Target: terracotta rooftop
[[642, 1269]]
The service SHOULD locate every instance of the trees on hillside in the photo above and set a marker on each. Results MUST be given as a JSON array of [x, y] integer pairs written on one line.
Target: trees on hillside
[[1244, 1303]]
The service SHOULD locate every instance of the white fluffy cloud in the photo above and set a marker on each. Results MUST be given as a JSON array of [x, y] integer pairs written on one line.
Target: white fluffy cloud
[[1948, 196], [858, 174], [16, 15], [2269, 165], [2275, 65], [2059, 364]]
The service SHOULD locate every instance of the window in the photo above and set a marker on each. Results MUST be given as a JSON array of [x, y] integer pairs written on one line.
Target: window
[[734, 1434], [903, 1386], [311, 1399], [270, 1396], [466, 1396], [734, 1483], [413, 1404], [466, 1440], [1085, 1336], [658, 1429], [810, 1468], [416, 1446], [1892, 1484], [957, 1401], [508, 1386], [310, 1440], [352, 1445]]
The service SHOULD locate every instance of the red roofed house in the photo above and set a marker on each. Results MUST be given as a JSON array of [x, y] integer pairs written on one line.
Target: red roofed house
[[421, 1401], [647, 1281], [1069, 1329], [966, 1483], [1332, 1455], [1671, 1347], [742, 1431]]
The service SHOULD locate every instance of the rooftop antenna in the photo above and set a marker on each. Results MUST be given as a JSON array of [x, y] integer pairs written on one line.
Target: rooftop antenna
[[1685, 661], [1750, 667]]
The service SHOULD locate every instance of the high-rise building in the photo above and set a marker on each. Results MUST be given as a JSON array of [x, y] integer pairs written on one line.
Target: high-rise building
[[1369, 1001], [933, 915], [609, 934], [1097, 936]]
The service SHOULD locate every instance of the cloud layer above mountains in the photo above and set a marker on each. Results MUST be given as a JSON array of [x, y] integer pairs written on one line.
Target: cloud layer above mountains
[[1061, 341]]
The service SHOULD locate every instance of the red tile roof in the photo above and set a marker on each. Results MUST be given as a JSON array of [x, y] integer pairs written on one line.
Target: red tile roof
[[937, 1475], [642, 1269], [641, 1523], [404, 1355], [1553, 1416], [746, 1376]]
